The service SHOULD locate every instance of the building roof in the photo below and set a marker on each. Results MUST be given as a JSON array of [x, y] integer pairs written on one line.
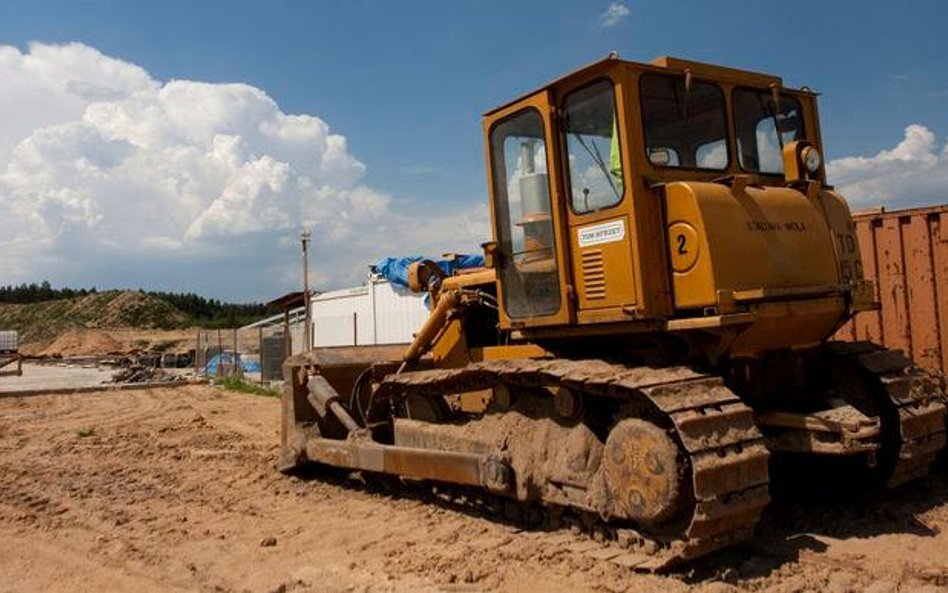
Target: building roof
[[290, 300]]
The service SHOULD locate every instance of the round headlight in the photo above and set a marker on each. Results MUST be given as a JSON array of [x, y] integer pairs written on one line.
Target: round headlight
[[812, 159]]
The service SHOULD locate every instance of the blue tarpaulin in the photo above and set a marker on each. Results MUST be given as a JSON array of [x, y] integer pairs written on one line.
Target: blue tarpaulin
[[395, 269], [227, 359]]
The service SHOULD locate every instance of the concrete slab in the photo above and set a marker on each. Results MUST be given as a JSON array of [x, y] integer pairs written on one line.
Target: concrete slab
[[55, 376]]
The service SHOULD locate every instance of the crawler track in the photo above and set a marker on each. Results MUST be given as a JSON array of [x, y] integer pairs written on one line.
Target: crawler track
[[909, 402], [725, 457]]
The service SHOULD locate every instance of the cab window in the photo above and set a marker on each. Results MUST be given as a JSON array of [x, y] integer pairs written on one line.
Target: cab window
[[593, 148], [762, 130], [683, 127], [523, 213]]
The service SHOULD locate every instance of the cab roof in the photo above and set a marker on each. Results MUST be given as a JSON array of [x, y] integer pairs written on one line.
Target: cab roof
[[670, 64]]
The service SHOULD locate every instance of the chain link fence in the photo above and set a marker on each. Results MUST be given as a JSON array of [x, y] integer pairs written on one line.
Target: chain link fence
[[252, 354]]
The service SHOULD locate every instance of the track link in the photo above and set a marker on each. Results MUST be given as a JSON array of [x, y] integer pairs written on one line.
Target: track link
[[912, 396], [725, 453]]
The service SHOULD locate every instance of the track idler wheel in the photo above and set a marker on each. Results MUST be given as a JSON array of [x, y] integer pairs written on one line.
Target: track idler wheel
[[643, 469]]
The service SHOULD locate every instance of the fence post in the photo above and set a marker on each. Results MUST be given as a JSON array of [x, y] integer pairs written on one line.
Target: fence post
[[220, 354], [260, 351], [237, 370]]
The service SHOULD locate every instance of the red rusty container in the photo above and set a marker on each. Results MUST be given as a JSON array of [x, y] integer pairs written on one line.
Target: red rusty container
[[906, 253]]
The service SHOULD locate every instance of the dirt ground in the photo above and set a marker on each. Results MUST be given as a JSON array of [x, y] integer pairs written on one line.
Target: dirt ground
[[174, 490]]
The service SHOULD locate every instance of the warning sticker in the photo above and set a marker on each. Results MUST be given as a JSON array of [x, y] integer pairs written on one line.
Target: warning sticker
[[606, 232]]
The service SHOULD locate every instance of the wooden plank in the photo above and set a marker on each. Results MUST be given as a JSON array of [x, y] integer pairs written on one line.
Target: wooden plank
[[922, 306], [868, 324], [892, 289], [939, 246]]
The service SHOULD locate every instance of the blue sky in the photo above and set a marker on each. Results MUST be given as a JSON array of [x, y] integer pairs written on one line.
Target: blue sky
[[405, 84]]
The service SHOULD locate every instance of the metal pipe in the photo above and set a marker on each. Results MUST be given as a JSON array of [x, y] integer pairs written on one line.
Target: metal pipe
[[323, 397], [307, 335]]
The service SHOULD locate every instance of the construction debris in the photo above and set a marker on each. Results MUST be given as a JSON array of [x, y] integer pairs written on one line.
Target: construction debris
[[143, 374]]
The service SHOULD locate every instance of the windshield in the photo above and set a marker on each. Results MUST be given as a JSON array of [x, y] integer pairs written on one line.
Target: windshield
[[763, 131], [592, 141], [684, 128]]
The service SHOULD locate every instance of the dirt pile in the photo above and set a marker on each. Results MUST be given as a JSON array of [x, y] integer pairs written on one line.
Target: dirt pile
[[136, 309], [43, 322], [112, 342], [174, 490], [101, 324], [82, 343]]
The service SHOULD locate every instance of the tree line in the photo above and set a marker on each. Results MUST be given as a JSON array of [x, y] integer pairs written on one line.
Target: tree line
[[37, 293], [202, 311], [212, 313]]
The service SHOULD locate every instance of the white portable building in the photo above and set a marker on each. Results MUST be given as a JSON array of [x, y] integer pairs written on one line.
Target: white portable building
[[378, 313]]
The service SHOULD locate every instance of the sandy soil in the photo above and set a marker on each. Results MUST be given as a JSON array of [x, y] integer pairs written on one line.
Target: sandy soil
[[111, 341], [174, 490], [119, 341]]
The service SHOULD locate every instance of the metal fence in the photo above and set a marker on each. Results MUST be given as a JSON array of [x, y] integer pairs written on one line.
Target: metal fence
[[253, 354]]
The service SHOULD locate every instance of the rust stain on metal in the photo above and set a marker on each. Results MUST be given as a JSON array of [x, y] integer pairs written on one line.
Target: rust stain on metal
[[906, 253]]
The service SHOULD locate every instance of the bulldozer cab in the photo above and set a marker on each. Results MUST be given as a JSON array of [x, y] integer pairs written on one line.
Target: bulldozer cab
[[583, 175]]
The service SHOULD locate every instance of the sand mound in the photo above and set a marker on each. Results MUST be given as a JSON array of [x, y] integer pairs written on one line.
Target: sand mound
[[85, 343], [52, 325], [135, 309]]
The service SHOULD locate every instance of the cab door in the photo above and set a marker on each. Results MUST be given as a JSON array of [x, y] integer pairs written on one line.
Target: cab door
[[527, 215], [600, 226]]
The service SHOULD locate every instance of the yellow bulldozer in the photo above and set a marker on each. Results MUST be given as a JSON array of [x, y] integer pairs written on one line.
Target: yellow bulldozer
[[651, 325]]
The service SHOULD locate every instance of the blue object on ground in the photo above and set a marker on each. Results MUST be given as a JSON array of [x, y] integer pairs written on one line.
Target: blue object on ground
[[227, 359]]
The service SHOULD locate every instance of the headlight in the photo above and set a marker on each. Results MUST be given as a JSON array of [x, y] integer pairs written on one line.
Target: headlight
[[812, 159]]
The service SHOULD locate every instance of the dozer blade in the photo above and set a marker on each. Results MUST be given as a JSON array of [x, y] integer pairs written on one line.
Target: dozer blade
[[468, 469]]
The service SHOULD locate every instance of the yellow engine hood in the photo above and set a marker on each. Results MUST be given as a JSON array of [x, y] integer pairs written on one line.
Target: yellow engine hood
[[733, 243]]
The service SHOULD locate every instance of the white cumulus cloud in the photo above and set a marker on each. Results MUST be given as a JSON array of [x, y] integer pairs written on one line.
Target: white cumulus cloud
[[614, 14], [912, 173], [109, 176]]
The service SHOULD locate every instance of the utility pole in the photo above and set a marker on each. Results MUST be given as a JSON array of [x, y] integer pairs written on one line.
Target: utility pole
[[307, 337]]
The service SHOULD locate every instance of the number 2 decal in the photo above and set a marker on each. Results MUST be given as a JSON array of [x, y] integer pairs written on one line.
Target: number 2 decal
[[682, 250]]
